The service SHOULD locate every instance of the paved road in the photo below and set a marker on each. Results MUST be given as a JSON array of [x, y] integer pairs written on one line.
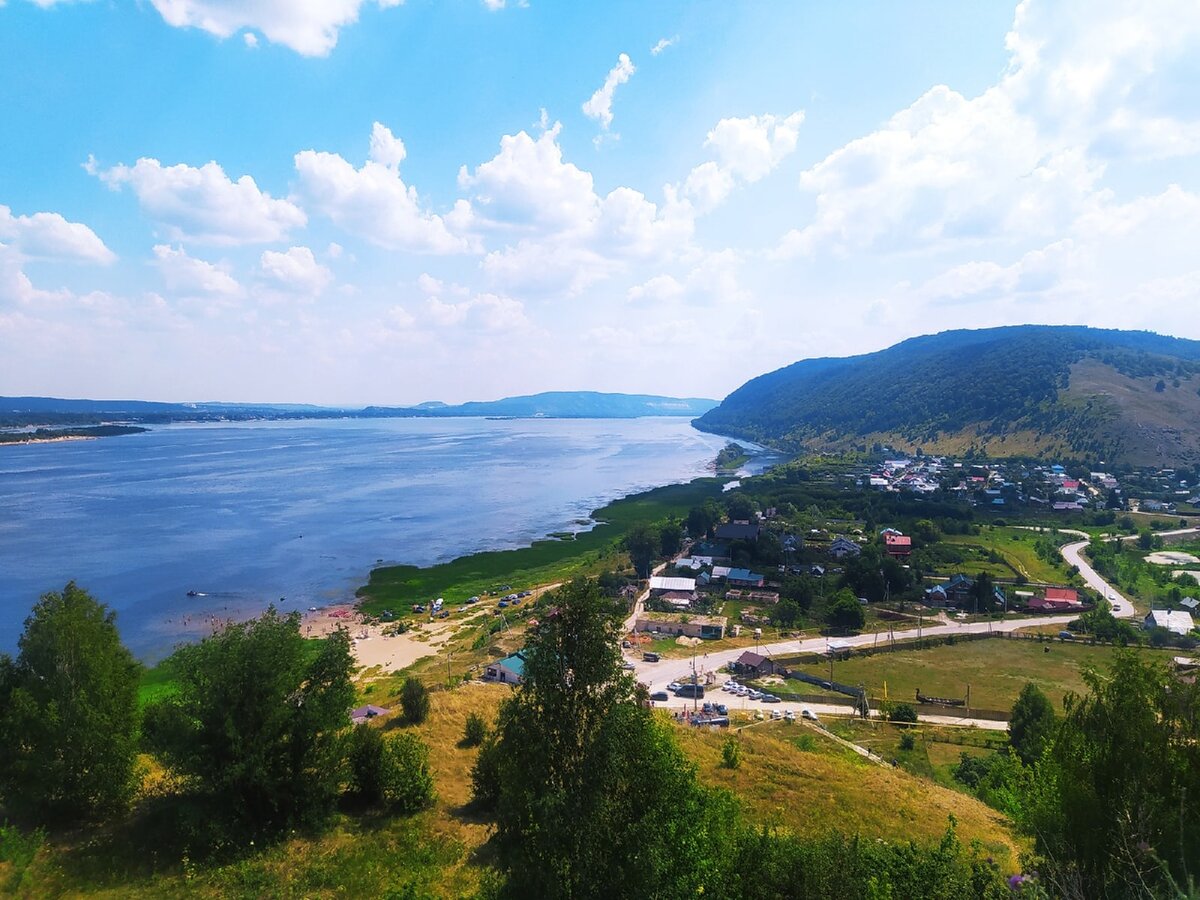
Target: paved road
[[659, 675]]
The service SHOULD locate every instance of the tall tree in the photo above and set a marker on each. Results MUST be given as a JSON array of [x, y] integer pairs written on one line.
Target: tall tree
[[259, 723], [1032, 724], [1113, 805], [592, 796], [68, 712], [643, 544]]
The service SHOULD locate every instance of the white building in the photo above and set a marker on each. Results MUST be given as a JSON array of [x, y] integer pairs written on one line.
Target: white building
[[1174, 620]]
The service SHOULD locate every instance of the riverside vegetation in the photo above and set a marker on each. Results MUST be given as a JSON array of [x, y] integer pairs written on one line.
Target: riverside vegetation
[[237, 774]]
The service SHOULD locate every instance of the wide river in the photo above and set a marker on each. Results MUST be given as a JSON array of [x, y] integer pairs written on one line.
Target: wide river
[[249, 513]]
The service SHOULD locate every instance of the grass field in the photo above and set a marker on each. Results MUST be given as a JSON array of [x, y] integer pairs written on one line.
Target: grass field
[[1016, 547], [789, 777], [810, 791], [995, 669], [543, 562]]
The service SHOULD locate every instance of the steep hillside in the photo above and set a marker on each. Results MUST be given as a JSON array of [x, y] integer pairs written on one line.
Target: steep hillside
[[1118, 396]]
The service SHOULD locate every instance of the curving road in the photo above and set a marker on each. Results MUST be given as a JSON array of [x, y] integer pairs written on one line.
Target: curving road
[[658, 675]]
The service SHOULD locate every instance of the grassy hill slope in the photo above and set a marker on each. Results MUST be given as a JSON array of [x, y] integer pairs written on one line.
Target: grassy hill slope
[[807, 786], [1120, 396]]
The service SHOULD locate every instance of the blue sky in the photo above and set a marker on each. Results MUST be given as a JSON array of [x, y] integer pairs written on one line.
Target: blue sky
[[366, 201]]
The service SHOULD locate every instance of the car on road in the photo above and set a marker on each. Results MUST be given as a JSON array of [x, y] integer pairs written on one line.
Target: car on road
[[754, 695], [690, 690], [627, 665], [776, 714], [807, 713], [472, 599], [660, 695], [674, 686], [649, 657], [1067, 635]]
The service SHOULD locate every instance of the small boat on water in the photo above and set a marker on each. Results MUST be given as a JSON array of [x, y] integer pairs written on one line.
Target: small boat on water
[[197, 594]]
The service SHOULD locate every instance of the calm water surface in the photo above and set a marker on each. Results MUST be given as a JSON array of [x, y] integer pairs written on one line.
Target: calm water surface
[[248, 513]]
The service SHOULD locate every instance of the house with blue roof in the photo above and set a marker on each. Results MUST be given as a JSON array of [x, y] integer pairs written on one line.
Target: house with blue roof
[[510, 670], [744, 578]]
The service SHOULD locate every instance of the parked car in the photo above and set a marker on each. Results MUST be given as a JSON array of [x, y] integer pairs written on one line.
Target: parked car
[[502, 604], [789, 716], [742, 690], [1066, 635], [755, 695], [776, 714], [707, 707], [807, 713], [660, 695], [627, 665], [649, 656], [690, 690], [418, 608], [722, 709], [472, 599], [673, 686], [769, 698]]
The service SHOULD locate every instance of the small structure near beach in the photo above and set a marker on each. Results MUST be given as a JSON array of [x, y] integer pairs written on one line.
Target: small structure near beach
[[366, 713]]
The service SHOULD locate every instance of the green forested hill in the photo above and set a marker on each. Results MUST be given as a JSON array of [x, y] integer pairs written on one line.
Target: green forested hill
[[1118, 396]]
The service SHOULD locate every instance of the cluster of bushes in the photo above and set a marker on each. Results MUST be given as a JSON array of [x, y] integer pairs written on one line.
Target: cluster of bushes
[[253, 728], [1105, 789]]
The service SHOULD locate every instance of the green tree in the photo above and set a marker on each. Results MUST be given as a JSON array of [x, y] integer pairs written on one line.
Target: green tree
[[731, 753], [1111, 808], [926, 532], [1031, 726], [414, 700], [391, 772], [670, 538], [593, 798], [845, 613], [741, 507], [259, 724], [474, 731], [643, 543], [68, 713], [786, 613]]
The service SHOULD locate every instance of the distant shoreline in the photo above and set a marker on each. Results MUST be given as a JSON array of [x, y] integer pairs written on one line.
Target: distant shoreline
[[58, 435]]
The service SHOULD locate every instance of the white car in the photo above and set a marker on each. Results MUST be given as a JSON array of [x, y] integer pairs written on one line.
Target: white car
[[776, 714], [755, 695], [789, 716], [728, 686], [741, 690], [674, 686], [807, 713]]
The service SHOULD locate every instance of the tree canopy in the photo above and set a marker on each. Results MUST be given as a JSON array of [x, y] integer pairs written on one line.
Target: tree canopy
[[68, 712], [259, 722]]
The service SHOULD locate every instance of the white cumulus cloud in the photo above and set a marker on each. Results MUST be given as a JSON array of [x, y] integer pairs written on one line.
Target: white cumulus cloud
[[373, 201], [190, 277], [203, 204], [47, 235], [599, 105], [747, 150], [310, 27], [663, 44], [296, 270]]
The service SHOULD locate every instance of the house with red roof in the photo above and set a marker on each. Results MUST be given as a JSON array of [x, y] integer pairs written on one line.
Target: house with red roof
[[1057, 600], [898, 545]]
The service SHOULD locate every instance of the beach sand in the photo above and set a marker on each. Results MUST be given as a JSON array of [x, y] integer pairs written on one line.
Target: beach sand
[[368, 643]]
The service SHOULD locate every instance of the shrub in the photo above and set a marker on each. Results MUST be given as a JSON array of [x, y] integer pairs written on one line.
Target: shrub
[[414, 698], [475, 731], [485, 774], [390, 772], [902, 712], [907, 741], [731, 754]]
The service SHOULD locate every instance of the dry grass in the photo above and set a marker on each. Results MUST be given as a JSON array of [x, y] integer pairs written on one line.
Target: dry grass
[[830, 788]]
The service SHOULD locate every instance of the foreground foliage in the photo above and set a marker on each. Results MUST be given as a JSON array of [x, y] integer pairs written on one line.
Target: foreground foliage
[[68, 713], [258, 726]]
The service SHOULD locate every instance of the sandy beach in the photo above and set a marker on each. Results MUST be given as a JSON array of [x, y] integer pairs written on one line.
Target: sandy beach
[[370, 646]]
